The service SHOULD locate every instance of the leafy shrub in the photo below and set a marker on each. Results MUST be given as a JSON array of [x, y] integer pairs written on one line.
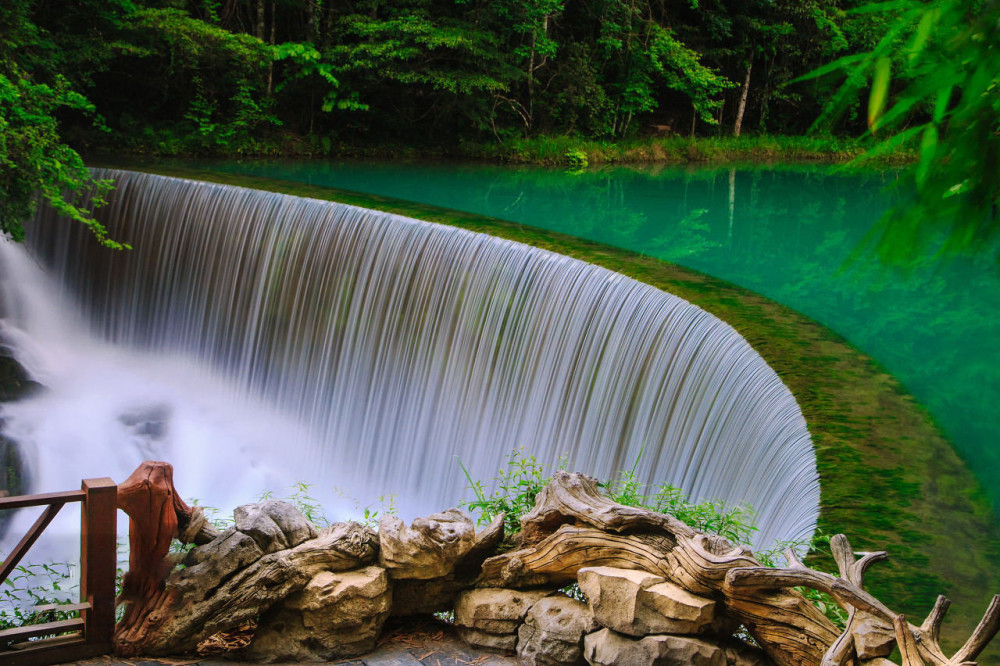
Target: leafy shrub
[[33, 585], [576, 158], [737, 524], [514, 491]]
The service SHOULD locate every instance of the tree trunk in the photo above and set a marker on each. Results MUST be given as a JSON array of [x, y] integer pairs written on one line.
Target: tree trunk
[[270, 64], [744, 92]]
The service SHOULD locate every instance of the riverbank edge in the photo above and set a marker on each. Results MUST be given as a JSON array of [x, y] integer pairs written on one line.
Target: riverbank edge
[[570, 151], [889, 478]]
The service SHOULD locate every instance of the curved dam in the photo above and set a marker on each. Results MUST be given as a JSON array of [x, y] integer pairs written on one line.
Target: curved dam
[[256, 339]]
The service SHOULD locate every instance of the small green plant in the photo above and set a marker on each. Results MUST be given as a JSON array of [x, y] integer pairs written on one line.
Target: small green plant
[[34, 586], [576, 158], [307, 504], [514, 490], [386, 506], [737, 524], [300, 497]]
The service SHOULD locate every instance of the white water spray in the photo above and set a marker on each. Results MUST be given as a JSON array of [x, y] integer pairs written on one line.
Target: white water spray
[[256, 339]]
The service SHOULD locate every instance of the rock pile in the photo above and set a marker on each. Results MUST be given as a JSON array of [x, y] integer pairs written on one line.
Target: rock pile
[[630, 617], [656, 591], [338, 611]]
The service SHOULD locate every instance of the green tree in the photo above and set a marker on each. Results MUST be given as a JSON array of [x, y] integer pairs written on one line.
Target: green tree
[[203, 87], [33, 158], [415, 67]]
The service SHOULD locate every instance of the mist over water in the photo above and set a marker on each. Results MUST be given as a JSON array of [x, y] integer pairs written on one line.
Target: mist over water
[[255, 340]]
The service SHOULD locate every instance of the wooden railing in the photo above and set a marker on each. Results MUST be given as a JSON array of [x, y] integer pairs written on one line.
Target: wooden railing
[[90, 634]]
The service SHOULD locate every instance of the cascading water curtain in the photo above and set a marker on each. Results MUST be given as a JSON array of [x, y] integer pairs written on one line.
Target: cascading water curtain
[[401, 347]]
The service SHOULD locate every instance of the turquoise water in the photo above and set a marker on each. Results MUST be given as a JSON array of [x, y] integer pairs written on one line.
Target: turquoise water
[[790, 234]]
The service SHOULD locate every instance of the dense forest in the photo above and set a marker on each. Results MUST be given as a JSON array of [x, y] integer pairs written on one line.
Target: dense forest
[[204, 75], [265, 77]]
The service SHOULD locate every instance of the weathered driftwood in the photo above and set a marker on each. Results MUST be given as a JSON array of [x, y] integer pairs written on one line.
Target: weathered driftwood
[[155, 510], [574, 525], [789, 628], [575, 499], [872, 627]]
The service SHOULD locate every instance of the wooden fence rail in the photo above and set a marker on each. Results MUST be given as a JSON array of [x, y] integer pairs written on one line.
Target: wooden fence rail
[[90, 634]]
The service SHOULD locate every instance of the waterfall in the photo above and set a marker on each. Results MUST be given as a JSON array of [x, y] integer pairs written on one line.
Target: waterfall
[[257, 338]]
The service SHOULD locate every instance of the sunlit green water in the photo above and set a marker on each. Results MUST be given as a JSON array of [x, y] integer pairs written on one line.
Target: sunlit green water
[[785, 233]]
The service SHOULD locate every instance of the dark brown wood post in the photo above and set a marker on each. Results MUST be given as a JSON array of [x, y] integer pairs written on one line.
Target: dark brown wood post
[[98, 561]]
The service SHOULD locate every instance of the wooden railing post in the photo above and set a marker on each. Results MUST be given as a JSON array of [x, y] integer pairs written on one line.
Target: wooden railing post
[[98, 561]]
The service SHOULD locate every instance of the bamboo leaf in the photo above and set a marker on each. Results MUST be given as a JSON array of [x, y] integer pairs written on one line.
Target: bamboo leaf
[[923, 32], [928, 151], [839, 63], [941, 105], [880, 90]]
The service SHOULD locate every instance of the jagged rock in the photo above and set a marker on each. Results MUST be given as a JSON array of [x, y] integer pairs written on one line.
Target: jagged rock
[[873, 638], [411, 596], [553, 631], [486, 542], [609, 648], [495, 610], [15, 383], [209, 565], [429, 548], [484, 639], [274, 525], [189, 609], [639, 603], [339, 547], [336, 615]]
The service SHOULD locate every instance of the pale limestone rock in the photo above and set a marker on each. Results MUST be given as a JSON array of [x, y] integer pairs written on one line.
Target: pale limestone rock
[[873, 637], [639, 603], [274, 525], [429, 548], [336, 615], [608, 648], [485, 639], [495, 610], [411, 596], [553, 631]]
